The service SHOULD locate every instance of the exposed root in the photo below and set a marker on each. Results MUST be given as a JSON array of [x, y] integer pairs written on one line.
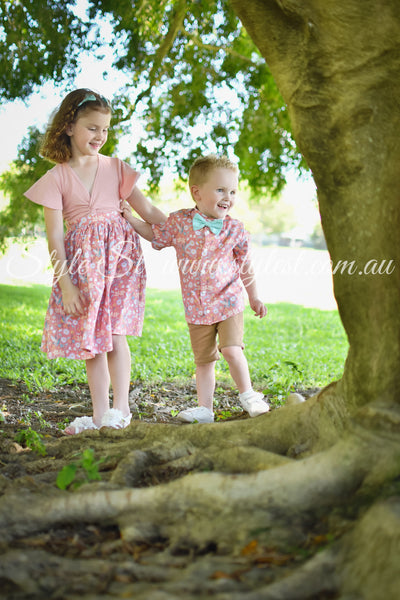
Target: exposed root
[[369, 563], [225, 488], [316, 577], [40, 574], [181, 509]]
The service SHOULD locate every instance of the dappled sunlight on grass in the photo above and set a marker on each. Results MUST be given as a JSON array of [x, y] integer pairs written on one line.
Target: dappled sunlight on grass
[[295, 346], [292, 347]]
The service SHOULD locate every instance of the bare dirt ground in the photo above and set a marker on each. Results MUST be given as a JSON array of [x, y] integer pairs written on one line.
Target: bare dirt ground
[[48, 412], [158, 403]]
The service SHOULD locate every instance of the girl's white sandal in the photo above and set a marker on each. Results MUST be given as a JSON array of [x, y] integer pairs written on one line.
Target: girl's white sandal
[[115, 419], [80, 424]]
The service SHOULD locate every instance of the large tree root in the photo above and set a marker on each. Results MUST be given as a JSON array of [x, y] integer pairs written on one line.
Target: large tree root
[[286, 433], [363, 564], [181, 509], [40, 574], [275, 500], [149, 453], [316, 577]]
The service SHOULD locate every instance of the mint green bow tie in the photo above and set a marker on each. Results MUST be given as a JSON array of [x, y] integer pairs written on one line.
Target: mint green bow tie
[[214, 225]]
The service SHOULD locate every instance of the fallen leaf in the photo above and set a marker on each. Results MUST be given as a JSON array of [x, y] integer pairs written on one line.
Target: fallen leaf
[[223, 575], [274, 558], [251, 548]]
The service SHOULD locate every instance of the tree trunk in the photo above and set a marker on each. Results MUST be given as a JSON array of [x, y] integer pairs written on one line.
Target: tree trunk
[[337, 65]]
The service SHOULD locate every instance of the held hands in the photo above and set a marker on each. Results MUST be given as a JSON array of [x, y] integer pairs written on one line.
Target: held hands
[[141, 227], [126, 212], [260, 310]]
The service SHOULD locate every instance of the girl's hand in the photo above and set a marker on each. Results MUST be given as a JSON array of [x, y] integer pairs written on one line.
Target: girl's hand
[[73, 300]]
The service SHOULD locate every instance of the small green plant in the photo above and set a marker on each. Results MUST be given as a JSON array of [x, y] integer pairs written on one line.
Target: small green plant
[[38, 381], [30, 415], [174, 412], [27, 399], [224, 414], [63, 424], [42, 421], [84, 470], [31, 439], [281, 378], [27, 418]]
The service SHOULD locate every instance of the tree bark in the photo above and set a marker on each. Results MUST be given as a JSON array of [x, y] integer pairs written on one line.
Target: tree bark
[[337, 65]]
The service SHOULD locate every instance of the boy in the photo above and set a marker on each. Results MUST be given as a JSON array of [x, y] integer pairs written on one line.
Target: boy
[[212, 254]]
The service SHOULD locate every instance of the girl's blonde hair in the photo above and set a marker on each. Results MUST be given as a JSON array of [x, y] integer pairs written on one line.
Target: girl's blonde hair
[[56, 144], [203, 165]]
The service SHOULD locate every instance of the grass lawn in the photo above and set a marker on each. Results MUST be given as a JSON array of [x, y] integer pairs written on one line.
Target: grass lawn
[[293, 347]]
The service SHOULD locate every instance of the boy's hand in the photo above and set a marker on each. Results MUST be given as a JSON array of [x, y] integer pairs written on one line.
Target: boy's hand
[[141, 227], [260, 310]]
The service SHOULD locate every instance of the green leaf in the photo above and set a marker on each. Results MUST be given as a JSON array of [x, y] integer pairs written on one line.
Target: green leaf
[[66, 476]]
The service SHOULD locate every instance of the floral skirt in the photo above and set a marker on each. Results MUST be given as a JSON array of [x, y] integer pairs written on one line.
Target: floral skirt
[[105, 261]]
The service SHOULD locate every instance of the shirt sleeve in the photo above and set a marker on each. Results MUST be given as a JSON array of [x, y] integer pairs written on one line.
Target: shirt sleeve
[[128, 178], [241, 250], [46, 191], [163, 234]]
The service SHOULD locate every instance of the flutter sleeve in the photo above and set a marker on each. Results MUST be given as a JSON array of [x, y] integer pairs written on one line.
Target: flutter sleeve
[[47, 191], [128, 178]]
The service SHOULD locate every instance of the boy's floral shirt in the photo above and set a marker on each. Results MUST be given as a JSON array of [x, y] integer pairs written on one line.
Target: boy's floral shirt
[[209, 265]]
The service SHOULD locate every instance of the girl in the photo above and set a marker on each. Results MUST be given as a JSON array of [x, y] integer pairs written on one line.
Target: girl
[[97, 296]]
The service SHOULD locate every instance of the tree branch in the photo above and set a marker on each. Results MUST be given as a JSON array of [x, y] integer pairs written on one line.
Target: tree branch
[[215, 48], [174, 28]]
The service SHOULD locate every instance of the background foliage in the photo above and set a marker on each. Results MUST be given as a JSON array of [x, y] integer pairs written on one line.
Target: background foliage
[[196, 81]]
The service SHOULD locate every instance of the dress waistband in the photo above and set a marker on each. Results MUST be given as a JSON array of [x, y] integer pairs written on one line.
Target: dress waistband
[[111, 215]]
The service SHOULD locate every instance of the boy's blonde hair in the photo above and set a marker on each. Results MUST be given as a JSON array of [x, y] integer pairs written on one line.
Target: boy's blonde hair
[[203, 165], [56, 144]]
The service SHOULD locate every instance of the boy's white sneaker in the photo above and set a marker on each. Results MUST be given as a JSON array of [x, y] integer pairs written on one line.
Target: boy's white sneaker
[[199, 414], [253, 403]]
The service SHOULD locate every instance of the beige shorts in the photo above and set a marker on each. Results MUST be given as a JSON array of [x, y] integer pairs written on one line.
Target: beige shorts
[[204, 338]]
